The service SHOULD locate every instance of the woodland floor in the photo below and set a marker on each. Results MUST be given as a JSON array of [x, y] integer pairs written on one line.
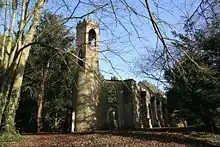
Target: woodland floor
[[116, 139]]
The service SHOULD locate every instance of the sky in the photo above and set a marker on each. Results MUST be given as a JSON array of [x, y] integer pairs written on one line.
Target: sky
[[126, 36], [132, 48]]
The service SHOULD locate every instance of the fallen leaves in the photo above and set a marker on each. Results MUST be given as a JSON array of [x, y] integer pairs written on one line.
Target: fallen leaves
[[110, 139]]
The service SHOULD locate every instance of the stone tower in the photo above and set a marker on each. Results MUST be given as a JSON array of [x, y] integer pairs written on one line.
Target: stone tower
[[87, 41]]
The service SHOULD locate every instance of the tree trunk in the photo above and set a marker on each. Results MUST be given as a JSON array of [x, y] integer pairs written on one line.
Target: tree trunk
[[10, 111], [39, 110], [209, 122], [2, 70], [14, 94], [4, 33], [3, 99], [40, 104], [11, 31], [2, 106]]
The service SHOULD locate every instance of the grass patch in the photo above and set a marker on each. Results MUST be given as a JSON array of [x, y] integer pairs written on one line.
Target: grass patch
[[8, 138], [209, 137]]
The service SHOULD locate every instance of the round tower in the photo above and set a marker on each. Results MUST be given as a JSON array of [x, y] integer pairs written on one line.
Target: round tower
[[87, 41]]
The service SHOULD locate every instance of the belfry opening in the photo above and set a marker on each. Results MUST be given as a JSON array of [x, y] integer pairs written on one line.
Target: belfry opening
[[92, 37]]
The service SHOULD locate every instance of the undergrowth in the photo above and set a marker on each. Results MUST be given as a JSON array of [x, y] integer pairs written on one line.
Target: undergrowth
[[8, 138], [214, 138]]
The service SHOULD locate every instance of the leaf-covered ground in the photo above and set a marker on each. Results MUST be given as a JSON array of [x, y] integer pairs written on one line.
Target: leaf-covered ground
[[125, 139]]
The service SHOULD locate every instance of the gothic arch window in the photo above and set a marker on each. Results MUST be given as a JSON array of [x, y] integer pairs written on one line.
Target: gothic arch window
[[112, 118], [81, 57], [92, 37]]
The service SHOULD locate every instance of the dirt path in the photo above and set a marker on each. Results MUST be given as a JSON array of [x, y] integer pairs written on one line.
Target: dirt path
[[150, 139]]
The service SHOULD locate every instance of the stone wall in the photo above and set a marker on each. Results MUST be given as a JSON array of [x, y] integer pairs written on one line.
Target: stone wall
[[113, 103], [88, 80]]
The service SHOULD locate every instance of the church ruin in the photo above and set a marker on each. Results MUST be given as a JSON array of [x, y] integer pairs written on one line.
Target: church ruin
[[110, 104]]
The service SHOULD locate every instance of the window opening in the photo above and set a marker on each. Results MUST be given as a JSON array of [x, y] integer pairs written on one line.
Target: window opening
[[81, 57], [92, 37]]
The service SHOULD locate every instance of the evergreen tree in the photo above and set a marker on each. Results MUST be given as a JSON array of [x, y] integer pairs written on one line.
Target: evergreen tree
[[195, 86], [49, 77]]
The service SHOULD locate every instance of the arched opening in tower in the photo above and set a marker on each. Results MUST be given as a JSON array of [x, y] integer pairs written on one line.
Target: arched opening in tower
[[81, 57], [92, 37]]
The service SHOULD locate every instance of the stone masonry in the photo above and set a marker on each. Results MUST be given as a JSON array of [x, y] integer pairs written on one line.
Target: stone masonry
[[110, 104]]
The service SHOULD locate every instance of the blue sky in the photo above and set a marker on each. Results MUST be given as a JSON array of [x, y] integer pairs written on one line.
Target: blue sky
[[171, 12], [126, 43]]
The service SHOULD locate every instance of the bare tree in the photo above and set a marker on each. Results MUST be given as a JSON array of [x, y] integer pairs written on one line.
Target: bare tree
[[14, 53], [121, 20]]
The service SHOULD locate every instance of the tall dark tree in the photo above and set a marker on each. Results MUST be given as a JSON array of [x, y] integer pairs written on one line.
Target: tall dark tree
[[49, 74], [195, 86]]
